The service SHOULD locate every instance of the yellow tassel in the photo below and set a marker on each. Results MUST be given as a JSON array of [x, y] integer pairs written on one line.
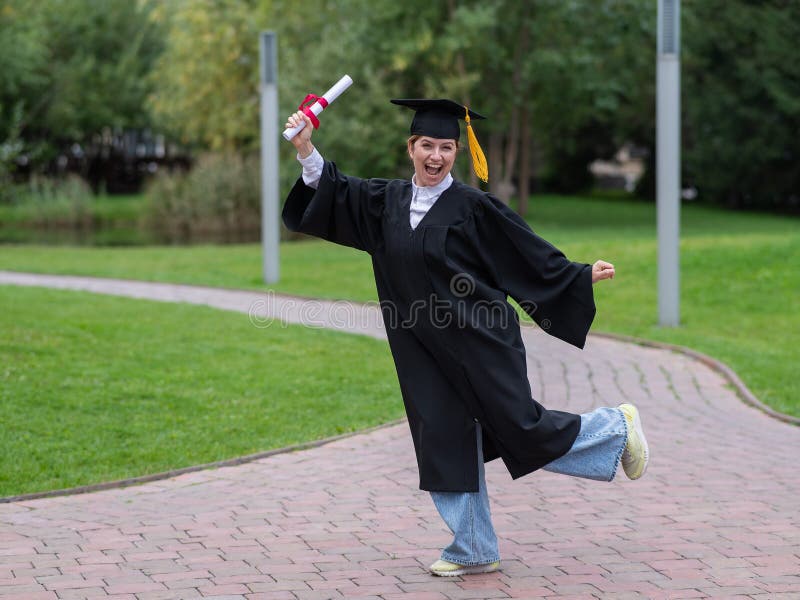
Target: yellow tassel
[[478, 159]]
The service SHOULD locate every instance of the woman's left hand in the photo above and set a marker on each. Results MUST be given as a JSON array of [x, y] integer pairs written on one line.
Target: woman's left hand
[[602, 270]]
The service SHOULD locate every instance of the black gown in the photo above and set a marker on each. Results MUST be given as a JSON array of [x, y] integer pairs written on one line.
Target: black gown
[[455, 339]]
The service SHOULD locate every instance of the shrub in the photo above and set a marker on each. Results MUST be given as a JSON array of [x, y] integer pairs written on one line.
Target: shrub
[[218, 199], [55, 202]]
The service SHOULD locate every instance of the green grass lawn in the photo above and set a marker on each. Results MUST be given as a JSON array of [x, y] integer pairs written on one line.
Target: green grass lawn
[[95, 388], [740, 296]]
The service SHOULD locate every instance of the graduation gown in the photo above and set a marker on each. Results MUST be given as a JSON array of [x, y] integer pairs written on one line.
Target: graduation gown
[[454, 337]]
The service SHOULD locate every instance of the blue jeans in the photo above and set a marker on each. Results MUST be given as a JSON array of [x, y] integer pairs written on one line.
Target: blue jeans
[[594, 455]]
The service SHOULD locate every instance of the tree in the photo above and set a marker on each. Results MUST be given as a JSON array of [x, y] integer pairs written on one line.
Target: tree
[[71, 68], [742, 102], [594, 73], [563, 82], [23, 79], [205, 84], [100, 55]]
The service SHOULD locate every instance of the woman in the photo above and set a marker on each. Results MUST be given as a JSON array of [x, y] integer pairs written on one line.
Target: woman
[[445, 257]]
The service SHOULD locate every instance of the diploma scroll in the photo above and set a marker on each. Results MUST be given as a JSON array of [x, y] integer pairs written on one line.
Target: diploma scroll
[[319, 105]]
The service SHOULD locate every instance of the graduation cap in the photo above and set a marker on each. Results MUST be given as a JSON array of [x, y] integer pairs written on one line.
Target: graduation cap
[[439, 119]]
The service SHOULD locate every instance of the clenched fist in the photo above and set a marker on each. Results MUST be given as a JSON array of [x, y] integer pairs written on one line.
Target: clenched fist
[[602, 270]]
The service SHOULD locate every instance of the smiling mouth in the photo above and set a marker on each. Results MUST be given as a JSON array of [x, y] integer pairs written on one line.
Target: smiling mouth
[[433, 169]]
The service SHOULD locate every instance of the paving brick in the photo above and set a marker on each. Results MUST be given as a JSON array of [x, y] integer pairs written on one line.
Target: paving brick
[[168, 595], [458, 593], [82, 593], [319, 595], [181, 584], [677, 594], [278, 586], [29, 595], [678, 563], [135, 588], [66, 582], [540, 592]]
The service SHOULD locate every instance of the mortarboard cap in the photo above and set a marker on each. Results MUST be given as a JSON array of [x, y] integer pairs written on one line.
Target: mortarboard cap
[[436, 118], [439, 119]]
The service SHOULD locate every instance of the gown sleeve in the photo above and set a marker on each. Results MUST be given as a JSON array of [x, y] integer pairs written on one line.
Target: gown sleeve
[[344, 210], [555, 292]]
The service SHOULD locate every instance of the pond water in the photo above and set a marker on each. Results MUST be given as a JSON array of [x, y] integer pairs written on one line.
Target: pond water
[[120, 236]]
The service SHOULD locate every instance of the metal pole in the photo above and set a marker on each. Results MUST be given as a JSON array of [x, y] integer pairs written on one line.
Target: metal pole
[[270, 228], [668, 161]]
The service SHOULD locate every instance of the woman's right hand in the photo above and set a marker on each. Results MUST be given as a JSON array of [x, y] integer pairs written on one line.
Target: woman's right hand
[[302, 141]]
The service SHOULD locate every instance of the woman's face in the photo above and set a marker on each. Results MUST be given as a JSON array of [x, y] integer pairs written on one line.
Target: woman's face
[[433, 159]]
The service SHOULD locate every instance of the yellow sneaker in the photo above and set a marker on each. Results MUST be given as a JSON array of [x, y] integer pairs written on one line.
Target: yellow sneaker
[[636, 454], [444, 568]]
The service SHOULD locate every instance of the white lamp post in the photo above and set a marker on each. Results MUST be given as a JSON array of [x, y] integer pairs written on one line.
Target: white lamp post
[[270, 228], [668, 161]]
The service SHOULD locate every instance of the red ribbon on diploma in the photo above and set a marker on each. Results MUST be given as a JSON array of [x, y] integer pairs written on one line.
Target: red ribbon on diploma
[[307, 102]]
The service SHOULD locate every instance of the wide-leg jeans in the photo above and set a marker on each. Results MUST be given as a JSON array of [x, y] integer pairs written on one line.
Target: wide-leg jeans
[[595, 454]]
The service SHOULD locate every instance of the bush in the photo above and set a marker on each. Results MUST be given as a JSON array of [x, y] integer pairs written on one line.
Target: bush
[[54, 202], [218, 199]]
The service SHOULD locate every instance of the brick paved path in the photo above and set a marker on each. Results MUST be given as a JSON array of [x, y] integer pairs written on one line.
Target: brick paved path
[[716, 515]]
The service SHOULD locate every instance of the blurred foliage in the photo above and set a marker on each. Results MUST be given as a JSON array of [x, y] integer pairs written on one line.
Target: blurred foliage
[[563, 82], [22, 81], [99, 56], [219, 198], [205, 84], [742, 102], [48, 202], [70, 68]]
